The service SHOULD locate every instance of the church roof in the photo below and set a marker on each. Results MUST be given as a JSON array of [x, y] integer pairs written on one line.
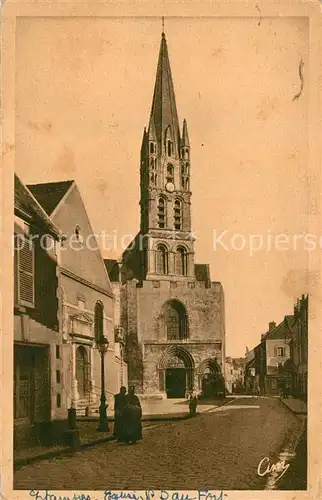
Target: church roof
[[164, 110], [202, 272], [50, 194], [113, 269]]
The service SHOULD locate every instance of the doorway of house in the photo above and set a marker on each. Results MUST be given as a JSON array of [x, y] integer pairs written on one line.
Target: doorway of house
[[176, 382]]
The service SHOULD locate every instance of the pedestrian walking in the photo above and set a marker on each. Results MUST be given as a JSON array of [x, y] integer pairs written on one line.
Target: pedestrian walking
[[193, 403], [120, 401], [132, 426]]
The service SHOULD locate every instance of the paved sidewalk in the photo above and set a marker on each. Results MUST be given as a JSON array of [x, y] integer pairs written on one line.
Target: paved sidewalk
[[296, 405]]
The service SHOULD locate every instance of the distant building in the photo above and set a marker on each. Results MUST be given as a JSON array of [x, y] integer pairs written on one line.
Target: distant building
[[235, 374], [250, 372], [299, 347], [87, 300], [272, 363], [39, 386]]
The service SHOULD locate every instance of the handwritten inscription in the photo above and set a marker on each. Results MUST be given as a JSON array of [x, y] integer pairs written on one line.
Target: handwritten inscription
[[125, 495], [47, 495], [265, 467]]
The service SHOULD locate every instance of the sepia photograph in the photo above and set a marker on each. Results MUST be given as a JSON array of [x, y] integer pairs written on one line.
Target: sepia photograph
[[161, 250]]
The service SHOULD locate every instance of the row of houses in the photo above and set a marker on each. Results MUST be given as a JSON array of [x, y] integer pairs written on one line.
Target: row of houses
[[279, 363], [63, 305]]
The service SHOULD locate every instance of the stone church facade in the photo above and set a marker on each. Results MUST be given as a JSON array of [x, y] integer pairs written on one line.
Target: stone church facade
[[170, 310]]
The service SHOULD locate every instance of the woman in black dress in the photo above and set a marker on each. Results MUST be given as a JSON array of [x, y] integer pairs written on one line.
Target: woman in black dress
[[132, 426], [120, 401]]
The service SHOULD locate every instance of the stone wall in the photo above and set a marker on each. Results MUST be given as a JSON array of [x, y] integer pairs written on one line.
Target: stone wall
[[142, 318]]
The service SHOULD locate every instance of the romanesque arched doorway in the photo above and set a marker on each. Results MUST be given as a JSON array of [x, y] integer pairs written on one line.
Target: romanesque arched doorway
[[176, 369], [210, 379]]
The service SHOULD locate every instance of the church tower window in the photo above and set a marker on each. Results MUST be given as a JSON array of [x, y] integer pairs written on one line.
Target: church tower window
[[178, 215], [162, 260], [170, 173], [176, 321], [181, 261], [169, 148], [161, 212]]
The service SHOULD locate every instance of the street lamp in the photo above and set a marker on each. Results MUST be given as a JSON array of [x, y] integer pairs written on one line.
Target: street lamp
[[120, 339], [102, 346]]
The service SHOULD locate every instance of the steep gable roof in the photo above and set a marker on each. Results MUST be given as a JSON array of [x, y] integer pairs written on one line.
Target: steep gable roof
[[281, 331], [50, 194], [26, 203]]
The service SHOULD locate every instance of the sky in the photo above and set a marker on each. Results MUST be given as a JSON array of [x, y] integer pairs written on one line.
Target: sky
[[84, 90]]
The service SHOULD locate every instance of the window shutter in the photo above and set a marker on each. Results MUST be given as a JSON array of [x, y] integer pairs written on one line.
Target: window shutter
[[26, 273], [275, 352]]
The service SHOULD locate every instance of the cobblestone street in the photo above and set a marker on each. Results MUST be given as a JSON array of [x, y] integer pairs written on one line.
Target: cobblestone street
[[216, 450]]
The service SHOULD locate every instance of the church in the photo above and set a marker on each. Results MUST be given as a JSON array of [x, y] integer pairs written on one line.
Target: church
[[170, 311]]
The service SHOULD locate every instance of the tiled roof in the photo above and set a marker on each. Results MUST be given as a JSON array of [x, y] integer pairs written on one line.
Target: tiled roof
[[113, 269], [281, 331], [26, 203], [49, 194]]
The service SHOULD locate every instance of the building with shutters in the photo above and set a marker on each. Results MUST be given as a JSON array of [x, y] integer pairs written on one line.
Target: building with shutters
[[271, 369], [171, 312], [86, 300], [39, 386], [299, 347]]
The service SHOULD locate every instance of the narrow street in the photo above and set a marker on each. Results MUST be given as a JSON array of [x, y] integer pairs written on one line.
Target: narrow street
[[217, 450]]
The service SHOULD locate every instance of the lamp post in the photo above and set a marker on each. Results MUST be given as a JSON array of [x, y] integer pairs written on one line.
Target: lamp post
[[102, 346], [120, 339]]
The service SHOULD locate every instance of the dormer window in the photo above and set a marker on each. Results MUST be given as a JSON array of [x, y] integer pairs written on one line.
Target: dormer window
[[169, 148], [153, 148]]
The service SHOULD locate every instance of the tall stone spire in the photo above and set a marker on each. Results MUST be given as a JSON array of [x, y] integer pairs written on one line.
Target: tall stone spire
[[164, 114]]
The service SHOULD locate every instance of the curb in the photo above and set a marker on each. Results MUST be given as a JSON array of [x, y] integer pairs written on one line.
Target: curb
[[57, 453], [70, 451], [296, 413], [218, 406]]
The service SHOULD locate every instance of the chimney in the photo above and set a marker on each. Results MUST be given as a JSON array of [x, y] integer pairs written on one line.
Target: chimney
[[271, 326]]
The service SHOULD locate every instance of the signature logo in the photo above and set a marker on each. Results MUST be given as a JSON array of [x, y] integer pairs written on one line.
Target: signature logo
[[265, 467]]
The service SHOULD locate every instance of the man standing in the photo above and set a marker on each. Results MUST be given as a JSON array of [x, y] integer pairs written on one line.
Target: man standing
[[193, 402], [120, 400]]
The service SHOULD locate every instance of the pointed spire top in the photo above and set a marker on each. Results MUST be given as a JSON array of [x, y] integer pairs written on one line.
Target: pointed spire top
[[163, 34], [164, 111], [185, 137]]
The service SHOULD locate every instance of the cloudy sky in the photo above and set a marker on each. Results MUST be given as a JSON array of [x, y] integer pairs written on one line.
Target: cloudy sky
[[84, 90]]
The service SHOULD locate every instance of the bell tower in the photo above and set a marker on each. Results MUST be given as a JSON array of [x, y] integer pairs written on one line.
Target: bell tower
[[165, 184]]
